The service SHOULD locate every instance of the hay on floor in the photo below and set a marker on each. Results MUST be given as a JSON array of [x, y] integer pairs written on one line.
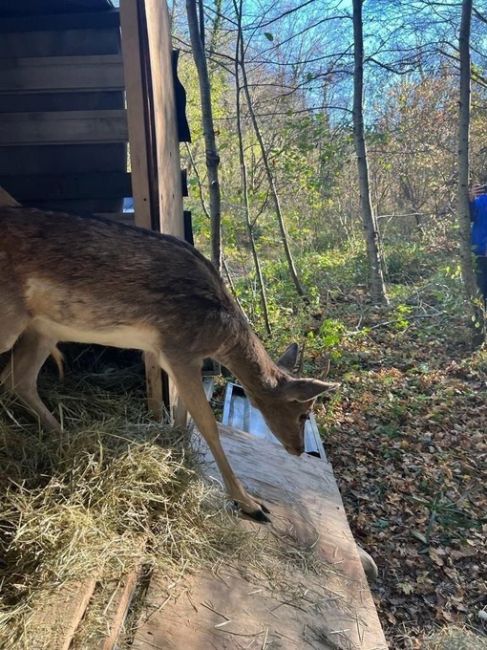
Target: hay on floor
[[78, 504]]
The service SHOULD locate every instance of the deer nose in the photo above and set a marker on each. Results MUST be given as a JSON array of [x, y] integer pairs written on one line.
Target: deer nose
[[295, 451]]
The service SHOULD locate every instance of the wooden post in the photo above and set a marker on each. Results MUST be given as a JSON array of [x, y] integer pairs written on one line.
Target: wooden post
[[154, 146], [136, 111], [170, 193]]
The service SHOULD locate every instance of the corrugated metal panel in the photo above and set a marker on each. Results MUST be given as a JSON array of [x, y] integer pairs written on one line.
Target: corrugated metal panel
[[239, 413]]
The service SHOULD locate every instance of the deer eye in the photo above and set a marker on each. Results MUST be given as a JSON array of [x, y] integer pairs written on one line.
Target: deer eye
[[303, 417]]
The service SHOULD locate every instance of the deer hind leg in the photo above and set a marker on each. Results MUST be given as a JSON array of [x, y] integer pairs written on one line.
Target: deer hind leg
[[20, 375], [13, 321], [190, 388]]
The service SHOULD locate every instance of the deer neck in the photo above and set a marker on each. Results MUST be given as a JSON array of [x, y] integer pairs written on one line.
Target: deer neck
[[250, 363]]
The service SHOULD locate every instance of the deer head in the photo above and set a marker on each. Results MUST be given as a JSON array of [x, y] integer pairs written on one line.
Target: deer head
[[287, 407]]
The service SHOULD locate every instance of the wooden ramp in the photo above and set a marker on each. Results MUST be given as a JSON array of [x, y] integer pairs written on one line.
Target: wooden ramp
[[233, 609]]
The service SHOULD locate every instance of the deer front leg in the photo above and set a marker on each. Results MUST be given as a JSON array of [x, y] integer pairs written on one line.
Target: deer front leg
[[190, 388], [20, 374]]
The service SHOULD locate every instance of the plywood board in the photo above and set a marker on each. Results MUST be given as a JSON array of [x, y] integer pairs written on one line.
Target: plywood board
[[232, 608]]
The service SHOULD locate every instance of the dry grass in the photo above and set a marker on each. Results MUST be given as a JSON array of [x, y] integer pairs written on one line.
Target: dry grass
[[78, 504], [455, 638]]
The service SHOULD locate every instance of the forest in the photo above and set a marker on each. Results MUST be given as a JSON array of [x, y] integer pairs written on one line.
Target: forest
[[333, 147]]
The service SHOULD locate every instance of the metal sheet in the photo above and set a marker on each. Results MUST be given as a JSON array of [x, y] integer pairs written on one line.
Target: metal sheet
[[208, 387], [239, 413]]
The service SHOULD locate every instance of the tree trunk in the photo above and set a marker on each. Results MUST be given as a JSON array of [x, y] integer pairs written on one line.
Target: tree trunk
[[376, 275], [270, 178], [463, 206], [245, 192], [212, 158], [207, 215]]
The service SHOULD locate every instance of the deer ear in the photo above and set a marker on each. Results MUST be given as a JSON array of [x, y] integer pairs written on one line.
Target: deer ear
[[288, 360], [303, 390]]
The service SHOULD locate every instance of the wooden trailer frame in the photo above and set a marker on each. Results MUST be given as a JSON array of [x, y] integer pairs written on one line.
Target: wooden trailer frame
[[147, 119], [302, 493], [154, 144]]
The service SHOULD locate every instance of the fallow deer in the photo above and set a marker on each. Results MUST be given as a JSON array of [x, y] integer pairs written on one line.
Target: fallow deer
[[91, 280]]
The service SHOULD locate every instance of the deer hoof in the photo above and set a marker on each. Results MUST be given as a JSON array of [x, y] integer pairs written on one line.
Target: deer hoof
[[259, 514]]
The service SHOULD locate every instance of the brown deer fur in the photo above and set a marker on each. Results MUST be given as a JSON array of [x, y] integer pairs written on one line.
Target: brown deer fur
[[67, 278]]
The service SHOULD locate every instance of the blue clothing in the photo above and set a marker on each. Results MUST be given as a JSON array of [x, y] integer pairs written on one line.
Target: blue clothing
[[478, 209]]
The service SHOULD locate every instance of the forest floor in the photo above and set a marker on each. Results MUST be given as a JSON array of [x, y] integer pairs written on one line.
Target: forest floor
[[406, 435]]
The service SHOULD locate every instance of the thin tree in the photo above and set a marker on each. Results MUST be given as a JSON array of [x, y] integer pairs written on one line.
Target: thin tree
[[376, 274], [245, 189], [197, 35], [240, 56], [463, 206], [207, 215]]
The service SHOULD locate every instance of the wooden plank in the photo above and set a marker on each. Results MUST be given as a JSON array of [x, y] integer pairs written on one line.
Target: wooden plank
[[56, 187], [34, 7], [127, 218], [118, 608], [61, 101], [154, 143], [55, 21], [61, 73], [52, 626], [63, 127], [236, 606], [69, 42], [63, 159], [169, 188], [139, 137], [165, 121], [154, 386], [83, 207], [136, 112]]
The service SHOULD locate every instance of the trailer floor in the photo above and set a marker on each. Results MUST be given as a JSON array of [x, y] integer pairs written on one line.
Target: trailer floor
[[233, 609]]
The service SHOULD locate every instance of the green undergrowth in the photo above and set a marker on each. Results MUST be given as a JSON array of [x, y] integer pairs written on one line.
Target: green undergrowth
[[406, 430]]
